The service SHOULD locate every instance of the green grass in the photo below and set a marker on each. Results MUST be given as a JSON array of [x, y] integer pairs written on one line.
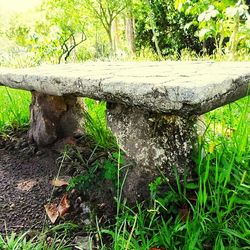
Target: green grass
[[21, 242], [95, 124], [216, 207], [14, 108]]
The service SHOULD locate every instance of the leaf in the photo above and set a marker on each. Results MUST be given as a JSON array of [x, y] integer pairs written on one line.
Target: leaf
[[26, 185], [110, 170], [203, 32], [52, 212], [64, 205], [178, 4], [229, 132], [191, 185], [70, 141], [184, 213], [59, 182], [211, 147]]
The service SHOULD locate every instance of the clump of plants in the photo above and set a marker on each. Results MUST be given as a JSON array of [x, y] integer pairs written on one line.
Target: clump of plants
[[210, 213]]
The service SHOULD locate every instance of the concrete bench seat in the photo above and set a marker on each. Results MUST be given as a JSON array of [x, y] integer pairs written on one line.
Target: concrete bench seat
[[151, 106]]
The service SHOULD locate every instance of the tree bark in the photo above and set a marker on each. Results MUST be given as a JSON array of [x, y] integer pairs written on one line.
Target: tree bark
[[130, 34]]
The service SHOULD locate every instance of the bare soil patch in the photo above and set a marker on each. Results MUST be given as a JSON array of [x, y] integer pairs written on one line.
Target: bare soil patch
[[26, 174]]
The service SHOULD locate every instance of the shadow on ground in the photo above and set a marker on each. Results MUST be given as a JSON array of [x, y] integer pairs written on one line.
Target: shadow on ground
[[26, 173]]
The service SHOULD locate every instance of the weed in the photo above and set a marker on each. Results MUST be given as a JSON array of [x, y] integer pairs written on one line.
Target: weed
[[97, 172], [22, 242], [212, 213], [15, 108], [96, 126]]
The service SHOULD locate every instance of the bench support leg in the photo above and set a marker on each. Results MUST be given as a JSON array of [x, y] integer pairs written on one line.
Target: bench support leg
[[54, 117], [155, 142]]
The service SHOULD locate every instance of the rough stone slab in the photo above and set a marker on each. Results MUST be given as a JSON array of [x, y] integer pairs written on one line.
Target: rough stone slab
[[183, 88]]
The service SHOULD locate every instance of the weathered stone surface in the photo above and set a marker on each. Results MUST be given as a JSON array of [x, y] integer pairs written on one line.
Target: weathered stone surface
[[54, 117], [157, 143], [182, 88]]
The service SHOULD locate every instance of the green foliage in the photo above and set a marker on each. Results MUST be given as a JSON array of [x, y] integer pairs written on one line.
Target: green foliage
[[15, 111], [110, 169], [226, 22], [22, 242], [83, 182], [19, 32], [96, 173], [106, 12], [78, 30], [159, 24], [62, 29], [96, 126]]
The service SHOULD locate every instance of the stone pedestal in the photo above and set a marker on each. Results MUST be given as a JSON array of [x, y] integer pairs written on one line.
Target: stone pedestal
[[155, 142], [54, 117]]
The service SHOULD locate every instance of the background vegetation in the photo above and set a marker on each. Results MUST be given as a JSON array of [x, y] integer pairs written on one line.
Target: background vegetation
[[79, 30]]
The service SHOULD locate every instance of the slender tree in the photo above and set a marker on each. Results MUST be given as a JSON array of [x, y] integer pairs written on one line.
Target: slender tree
[[106, 12]]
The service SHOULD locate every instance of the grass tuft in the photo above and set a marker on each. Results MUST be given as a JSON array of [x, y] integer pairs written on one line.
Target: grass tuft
[[14, 110]]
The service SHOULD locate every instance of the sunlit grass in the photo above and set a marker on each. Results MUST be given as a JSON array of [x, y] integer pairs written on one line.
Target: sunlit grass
[[96, 125], [14, 110]]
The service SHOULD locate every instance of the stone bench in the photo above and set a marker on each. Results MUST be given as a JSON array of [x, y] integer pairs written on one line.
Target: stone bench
[[152, 107]]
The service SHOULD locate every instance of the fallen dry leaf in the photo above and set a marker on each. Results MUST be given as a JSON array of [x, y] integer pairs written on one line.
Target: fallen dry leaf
[[64, 205], [52, 212], [59, 182], [184, 212], [70, 141], [26, 185]]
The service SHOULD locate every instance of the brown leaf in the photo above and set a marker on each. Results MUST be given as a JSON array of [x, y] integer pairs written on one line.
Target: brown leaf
[[192, 198], [64, 205], [184, 212], [59, 182], [26, 185], [70, 141], [52, 212]]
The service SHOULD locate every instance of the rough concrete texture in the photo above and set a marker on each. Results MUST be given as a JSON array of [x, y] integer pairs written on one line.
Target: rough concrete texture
[[54, 117], [157, 143], [182, 88]]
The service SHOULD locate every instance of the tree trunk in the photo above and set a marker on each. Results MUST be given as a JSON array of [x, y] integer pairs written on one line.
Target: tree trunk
[[130, 34], [116, 37]]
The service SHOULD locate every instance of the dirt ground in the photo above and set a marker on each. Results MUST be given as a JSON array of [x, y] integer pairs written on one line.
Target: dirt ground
[[26, 173], [25, 176]]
